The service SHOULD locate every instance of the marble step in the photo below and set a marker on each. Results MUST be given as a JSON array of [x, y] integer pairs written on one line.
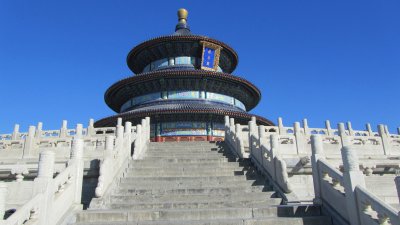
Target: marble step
[[197, 205], [191, 214], [188, 154], [156, 160], [141, 164], [152, 164], [192, 178], [191, 173], [178, 169], [189, 191], [185, 156], [233, 196], [315, 220], [190, 184]]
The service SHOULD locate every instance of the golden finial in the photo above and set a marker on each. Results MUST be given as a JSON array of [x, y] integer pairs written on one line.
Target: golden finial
[[182, 15]]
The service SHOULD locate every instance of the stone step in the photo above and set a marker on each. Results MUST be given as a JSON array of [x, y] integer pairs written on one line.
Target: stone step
[[234, 196], [178, 169], [149, 163], [197, 205], [188, 155], [191, 179], [198, 165], [191, 184], [190, 214], [162, 173], [316, 220], [156, 160], [188, 191]]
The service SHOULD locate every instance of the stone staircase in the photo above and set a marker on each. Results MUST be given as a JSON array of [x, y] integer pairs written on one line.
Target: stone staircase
[[196, 183]]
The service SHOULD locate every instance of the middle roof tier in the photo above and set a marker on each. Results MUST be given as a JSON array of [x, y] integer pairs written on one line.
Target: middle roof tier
[[174, 80]]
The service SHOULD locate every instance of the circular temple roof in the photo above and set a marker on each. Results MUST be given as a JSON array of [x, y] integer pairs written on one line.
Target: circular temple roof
[[177, 45], [164, 80]]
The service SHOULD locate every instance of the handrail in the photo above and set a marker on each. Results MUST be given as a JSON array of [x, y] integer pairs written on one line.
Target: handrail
[[28, 212], [373, 209]]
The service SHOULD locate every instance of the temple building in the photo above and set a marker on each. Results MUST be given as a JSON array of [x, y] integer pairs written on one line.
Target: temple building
[[183, 82]]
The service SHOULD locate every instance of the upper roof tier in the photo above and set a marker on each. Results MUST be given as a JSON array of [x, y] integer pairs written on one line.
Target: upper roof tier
[[180, 43]]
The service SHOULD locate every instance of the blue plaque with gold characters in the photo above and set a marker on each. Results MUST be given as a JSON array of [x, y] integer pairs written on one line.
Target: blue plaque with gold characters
[[210, 56]]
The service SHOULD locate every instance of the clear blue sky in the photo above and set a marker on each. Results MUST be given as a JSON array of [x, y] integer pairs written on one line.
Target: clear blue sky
[[337, 60]]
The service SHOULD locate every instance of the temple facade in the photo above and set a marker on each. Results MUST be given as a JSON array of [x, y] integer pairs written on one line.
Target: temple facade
[[183, 82]]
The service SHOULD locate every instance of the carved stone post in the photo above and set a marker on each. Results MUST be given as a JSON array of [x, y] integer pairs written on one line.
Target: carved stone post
[[300, 138], [3, 199], [350, 128], [29, 142], [128, 136], [90, 129], [144, 131], [352, 176], [262, 143], [343, 135], [226, 120], [328, 127], [44, 184], [280, 126], [15, 134], [46, 164], [138, 142], [148, 128], [232, 122], [77, 160], [238, 137], [39, 129], [253, 136], [119, 132], [79, 130], [274, 152], [369, 129], [305, 126], [63, 129], [385, 139], [128, 127], [232, 130], [317, 153]]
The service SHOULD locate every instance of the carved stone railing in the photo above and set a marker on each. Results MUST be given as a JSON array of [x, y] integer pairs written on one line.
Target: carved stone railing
[[343, 195], [28, 145], [263, 151], [372, 210], [237, 137], [27, 213], [281, 152], [295, 142], [52, 197], [117, 157]]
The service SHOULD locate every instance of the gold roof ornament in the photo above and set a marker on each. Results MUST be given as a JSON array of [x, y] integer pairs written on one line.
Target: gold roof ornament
[[182, 15]]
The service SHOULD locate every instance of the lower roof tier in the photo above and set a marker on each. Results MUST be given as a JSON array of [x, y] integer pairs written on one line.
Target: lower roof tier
[[173, 80], [186, 113]]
